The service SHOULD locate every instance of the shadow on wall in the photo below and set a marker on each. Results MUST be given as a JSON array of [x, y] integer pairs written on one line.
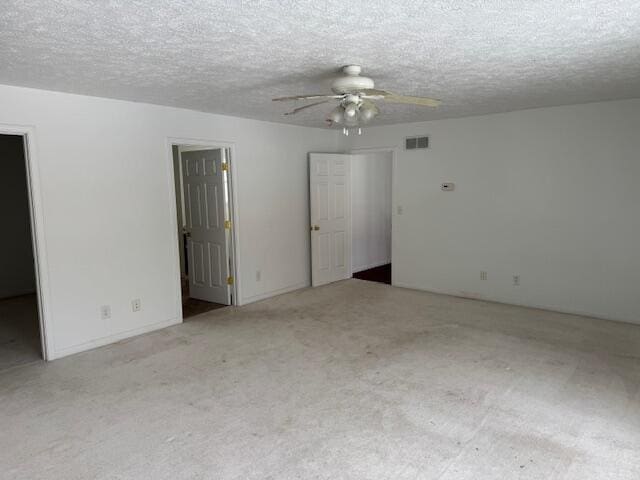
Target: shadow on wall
[[17, 275]]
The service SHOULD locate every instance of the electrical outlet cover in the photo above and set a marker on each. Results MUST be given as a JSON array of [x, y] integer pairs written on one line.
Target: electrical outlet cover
[[105, 312], [136, 305]]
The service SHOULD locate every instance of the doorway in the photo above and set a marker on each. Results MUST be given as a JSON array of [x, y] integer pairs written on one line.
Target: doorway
[[205, 237], [371, 211], [350, 212], [20, 335]]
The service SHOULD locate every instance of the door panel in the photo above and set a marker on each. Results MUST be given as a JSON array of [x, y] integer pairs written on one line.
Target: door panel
[[339, 198], [322, 198], [211, 200], [197, 263], [324, 251], [330, 214], [215, 260], [339, 245], [205, 214]]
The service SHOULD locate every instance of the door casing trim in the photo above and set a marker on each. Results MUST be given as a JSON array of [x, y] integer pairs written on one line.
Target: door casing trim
[[41, 265], [236, 288]]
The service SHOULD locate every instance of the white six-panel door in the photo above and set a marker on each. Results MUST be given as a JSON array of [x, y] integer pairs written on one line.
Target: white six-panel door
[[207, 244], [330, 196]]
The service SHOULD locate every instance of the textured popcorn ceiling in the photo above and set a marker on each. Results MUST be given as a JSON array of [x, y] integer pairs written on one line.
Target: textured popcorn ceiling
[[232, 57]]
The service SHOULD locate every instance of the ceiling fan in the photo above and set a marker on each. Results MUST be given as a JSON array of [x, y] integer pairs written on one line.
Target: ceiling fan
[[355, 95]]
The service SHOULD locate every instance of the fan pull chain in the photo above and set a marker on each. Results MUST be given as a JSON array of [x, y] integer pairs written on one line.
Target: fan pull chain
[[345, 131]]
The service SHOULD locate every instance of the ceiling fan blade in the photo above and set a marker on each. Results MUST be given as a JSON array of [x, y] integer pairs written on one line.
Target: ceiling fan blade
[[305, 97], [394, 98], [375, 93], [424, 101], [296, 110]]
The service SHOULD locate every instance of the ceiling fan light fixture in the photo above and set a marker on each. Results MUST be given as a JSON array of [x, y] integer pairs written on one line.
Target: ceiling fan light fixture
[[351, 122], [337, 115], [368, 112], [351, 111]]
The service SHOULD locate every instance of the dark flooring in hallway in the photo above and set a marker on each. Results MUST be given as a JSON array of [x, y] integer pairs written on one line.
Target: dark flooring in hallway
[[19, 331], [381, 274], [192, 307]]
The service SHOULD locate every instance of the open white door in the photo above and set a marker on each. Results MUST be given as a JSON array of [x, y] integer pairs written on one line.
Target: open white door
[[207, 244], [330, 195]]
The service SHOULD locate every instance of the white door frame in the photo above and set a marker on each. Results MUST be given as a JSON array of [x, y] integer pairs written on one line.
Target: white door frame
[[394, 200], [37, 233], [233, 212]]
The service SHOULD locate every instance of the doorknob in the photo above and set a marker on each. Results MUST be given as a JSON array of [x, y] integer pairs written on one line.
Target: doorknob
[[315, 227]]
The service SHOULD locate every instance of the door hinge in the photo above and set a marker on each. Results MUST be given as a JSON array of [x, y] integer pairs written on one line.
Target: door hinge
[[227, 224], [225, 167], [229, 280]]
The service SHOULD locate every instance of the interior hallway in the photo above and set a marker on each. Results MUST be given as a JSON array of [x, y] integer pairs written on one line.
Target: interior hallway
[[19, 331], [354, 380], [381, 274]]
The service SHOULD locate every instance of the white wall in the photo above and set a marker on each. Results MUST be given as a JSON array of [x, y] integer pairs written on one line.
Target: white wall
[[105, 170], [370, 210], [552, 195], [16, 256]]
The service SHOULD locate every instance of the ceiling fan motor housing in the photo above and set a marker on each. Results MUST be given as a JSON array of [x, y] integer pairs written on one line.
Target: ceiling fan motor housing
[[351, 82]]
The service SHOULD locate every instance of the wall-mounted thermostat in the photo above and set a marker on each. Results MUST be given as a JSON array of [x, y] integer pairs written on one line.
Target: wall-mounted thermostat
[[447, 186]]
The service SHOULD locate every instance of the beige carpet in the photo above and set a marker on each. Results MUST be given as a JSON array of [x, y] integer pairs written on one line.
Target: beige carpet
[[19, 331], [355, 380]]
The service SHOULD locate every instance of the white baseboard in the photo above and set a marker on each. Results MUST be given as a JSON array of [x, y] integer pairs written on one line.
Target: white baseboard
[[371, 265], [273, 293], [483, 298], [100, 342]]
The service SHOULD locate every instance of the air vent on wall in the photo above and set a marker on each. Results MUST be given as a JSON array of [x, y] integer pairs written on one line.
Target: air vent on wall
[[413, 143]]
